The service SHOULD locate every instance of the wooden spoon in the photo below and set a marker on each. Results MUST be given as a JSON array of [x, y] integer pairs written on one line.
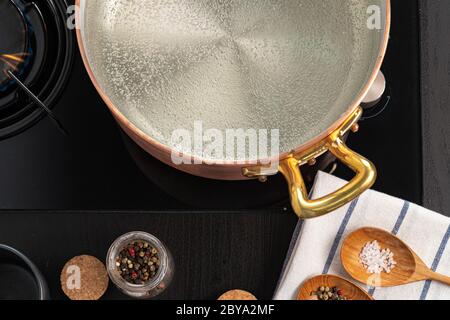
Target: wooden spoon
[[409, 268], [351, 291]]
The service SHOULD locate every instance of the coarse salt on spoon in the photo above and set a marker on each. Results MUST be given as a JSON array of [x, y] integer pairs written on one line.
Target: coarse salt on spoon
[[409, 266]]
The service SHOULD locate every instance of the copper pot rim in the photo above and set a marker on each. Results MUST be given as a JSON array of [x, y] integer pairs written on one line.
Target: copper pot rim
[[123, 120]]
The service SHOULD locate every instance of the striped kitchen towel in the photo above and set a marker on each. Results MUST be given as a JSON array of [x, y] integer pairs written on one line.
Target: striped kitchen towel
[[316, 243]]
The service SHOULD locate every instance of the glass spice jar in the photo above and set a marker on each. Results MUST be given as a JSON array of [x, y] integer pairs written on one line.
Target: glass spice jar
[[153, 286]]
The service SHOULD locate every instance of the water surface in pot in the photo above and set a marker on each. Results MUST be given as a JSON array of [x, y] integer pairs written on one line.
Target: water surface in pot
[[292, 65]]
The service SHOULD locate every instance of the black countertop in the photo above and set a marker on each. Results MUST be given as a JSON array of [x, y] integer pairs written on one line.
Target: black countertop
[[435, 90], [213, 252]]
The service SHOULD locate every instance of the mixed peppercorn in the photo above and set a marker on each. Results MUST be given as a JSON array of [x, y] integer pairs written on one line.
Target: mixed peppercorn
[[138, 262], [327, 293]]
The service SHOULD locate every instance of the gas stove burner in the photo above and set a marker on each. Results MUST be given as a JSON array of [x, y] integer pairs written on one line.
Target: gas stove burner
[[16, 48], [35, 52], [14, 45]]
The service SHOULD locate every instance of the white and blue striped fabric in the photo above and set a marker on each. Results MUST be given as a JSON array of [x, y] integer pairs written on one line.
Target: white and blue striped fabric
[[316, 243]]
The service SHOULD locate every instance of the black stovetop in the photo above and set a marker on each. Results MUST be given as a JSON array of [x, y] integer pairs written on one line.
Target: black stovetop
[[92, 168]]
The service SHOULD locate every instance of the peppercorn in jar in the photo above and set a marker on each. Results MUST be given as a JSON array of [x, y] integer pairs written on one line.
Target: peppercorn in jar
[[140, 265]]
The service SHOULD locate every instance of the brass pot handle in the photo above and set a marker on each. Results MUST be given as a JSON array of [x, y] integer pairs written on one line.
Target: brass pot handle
[[365, 177]]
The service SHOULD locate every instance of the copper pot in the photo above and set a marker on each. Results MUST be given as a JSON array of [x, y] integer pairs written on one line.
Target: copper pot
[[102, 27]]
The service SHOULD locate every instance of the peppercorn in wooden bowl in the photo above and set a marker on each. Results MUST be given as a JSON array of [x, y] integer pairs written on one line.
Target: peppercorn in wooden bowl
[[338, 289]]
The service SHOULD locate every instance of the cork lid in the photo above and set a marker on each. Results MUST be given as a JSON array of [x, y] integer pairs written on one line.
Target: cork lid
[[237, 295], [84, 278]]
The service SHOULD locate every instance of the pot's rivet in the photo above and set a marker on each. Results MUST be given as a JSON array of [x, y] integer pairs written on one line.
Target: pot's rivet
[[355, 128], [312, 162], [262, 179]]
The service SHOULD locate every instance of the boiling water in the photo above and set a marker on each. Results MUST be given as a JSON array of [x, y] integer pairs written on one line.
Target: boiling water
[[292, 65]]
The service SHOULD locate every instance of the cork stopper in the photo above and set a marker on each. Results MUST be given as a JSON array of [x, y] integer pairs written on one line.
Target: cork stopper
[[237, 295], [84, 278]]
